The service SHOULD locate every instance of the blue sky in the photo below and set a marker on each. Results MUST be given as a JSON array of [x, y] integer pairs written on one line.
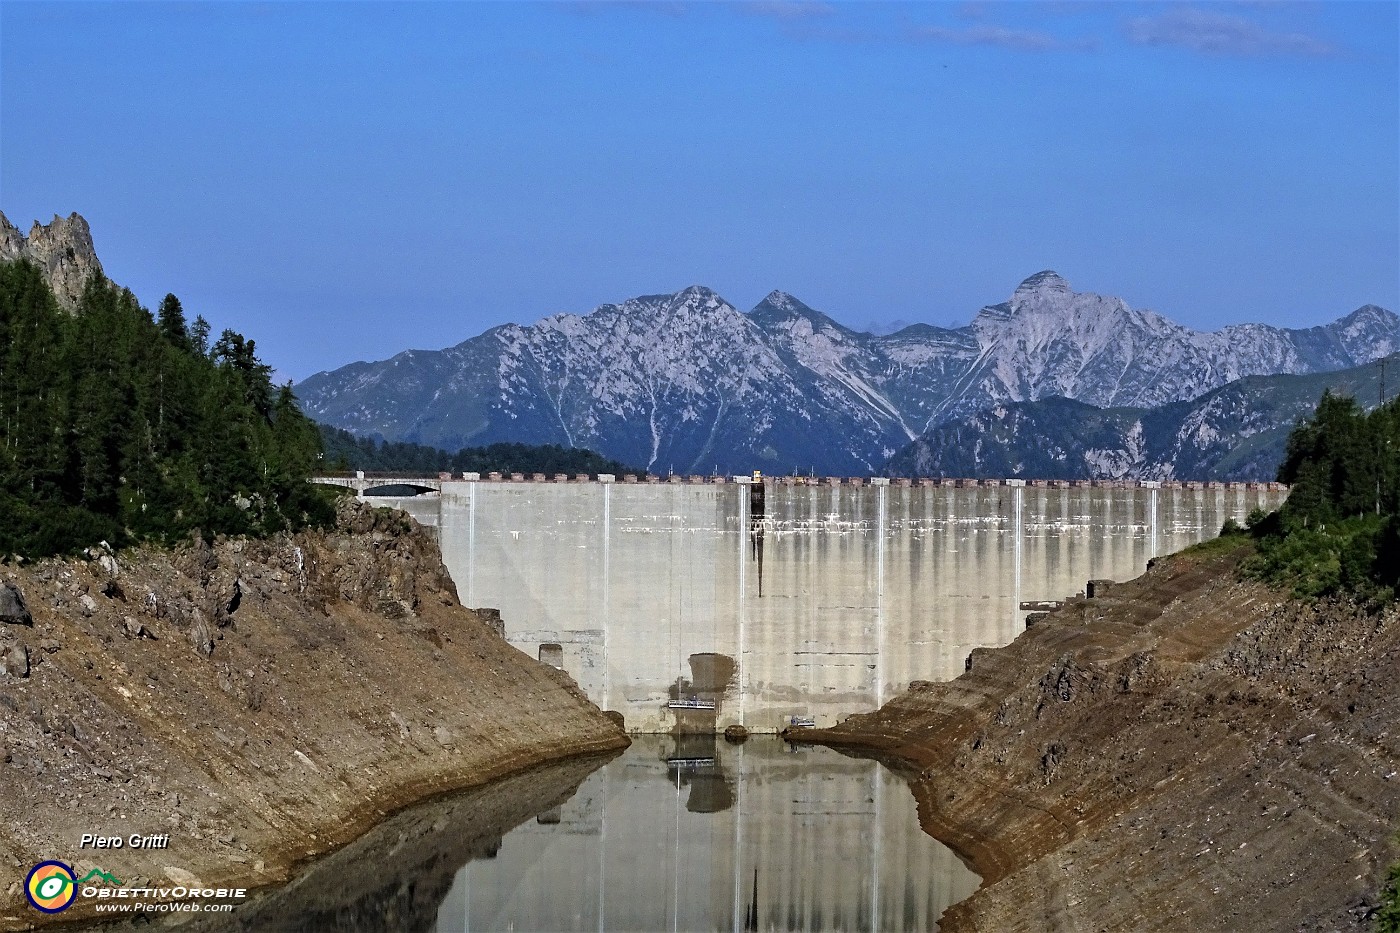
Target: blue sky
[[343, 181]]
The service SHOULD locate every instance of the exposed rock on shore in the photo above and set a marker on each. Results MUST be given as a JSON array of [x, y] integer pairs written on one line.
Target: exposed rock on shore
[[260, 701], [1188, 752]]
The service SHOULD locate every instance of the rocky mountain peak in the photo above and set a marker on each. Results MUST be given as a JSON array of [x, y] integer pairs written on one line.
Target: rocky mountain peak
[[781, 301], [1046, 282], [11, 240], [693, 299], [1369, 332], [1369, 316], [700, 295], [62, 248], [781, 310]]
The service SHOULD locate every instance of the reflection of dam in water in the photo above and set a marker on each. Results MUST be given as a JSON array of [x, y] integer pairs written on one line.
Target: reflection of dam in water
[[686, 833], [699, 604]]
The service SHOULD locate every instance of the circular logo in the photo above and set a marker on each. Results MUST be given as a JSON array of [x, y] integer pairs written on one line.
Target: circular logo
[[50, 887]]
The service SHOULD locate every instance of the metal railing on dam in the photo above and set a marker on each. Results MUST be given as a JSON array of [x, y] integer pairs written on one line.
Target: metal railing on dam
[[697, 603]]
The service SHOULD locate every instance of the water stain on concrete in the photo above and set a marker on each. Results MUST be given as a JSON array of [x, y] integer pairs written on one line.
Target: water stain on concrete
[[711, 677]]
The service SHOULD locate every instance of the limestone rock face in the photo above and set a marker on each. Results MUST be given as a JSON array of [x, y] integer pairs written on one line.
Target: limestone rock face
[[62, 248]]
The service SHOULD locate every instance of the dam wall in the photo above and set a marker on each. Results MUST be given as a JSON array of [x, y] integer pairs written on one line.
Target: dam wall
[[691, 606]]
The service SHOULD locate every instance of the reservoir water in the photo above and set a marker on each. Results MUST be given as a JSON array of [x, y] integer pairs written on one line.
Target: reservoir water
[[677, 833], [689, 834]]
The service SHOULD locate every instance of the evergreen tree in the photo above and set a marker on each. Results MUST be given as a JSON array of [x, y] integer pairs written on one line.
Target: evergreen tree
[[171, 318], [1388, 915], [199, 335], [121, 426], [1339, 530]]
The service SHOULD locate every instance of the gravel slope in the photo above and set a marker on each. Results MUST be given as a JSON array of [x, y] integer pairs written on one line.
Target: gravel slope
[[1186, 752], [262, 702]]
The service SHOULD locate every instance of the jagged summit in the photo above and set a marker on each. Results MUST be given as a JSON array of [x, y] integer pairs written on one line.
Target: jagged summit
[[699, 298], [780, 309], [62, 248], [1047, 280], [702, 293], [780, 306], [689, 293]]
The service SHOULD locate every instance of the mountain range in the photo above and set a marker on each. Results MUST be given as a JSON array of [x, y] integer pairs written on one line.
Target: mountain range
[[1050, 383], [1237, 432], [688, 383]]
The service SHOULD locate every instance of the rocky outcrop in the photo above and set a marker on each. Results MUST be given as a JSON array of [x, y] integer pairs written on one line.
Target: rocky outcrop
[[261, 701], [1184, 752], [13, 611], [62, 248], [14, 660]]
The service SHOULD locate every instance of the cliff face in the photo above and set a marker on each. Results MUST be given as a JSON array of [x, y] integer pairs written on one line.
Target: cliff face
[[1185, 752], [259, 701], [62, 248]]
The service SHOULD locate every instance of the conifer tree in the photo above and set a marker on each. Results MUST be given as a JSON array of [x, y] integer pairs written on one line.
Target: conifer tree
[[171, 318], [118, 425]]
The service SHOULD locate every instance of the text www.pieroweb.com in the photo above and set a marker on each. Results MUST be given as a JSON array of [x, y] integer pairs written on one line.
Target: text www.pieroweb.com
[[180, 907]]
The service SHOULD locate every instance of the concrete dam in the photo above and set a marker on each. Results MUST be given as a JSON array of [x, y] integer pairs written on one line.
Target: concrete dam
[[693, 604]]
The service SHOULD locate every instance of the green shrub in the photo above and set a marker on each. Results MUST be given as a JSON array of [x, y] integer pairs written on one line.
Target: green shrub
[[1388, 917]]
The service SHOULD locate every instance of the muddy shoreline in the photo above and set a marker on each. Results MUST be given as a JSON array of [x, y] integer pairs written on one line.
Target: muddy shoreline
[[261, 703], [1185, 751]]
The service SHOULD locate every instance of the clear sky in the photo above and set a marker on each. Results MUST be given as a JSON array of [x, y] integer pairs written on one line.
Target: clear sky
[[344, 181]]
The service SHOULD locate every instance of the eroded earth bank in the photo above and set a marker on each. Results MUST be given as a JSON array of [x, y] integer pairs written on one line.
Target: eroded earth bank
[[1184, 752], [261, 702]]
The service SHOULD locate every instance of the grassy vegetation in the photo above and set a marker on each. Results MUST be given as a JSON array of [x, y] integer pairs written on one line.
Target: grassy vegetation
[[1232, 537], [1388, 917]]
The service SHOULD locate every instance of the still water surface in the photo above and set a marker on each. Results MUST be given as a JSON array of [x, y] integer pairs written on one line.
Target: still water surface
[[673, 834], [696, 834]]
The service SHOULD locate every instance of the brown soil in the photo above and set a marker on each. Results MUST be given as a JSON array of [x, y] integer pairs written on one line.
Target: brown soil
[[1185, 752], [262, 702]]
